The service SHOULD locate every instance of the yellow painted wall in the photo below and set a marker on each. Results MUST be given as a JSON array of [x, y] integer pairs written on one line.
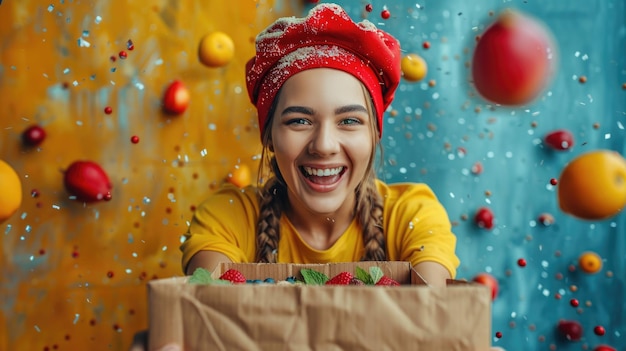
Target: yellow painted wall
[[74, 275]]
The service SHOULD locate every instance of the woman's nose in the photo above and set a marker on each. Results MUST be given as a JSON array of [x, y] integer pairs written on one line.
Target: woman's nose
[[324, 141]]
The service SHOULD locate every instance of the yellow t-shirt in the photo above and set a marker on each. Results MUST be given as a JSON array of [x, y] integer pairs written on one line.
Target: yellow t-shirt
[[416, 226]]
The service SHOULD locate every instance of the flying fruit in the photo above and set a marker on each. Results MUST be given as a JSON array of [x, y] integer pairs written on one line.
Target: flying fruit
[[87, 181], [593, 185], [240, 176], [176, 98], [216, 49], [484, 218], [559, 140], [590, 262], [33, 135], [10, 191], [489, 281], [571, 330], [514, 59], [413, 67]]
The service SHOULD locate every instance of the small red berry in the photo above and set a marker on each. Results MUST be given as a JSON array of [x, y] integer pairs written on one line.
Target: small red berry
[[123, 55], [385, 14], [369, 8], [426, 45], [553, 181], [572, 330], [110, 274], [113, 58], [386, 281], [134, 139], [484, 218], [343, 278], [130, 45], [521, 262], [574, 302], [33, 135], [477, 168], [599, 330], [34, 193], [108, 110], [234, 276], [559, 140], [498, 335]]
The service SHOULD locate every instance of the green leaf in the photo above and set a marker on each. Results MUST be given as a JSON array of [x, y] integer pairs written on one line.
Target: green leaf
[[313, 277], [364, 276], [376, 273], [203, 276]]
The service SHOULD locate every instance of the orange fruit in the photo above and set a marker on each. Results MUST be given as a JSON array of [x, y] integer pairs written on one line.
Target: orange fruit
[[240, 176], [10, 191], [413, 67], [590, 262], [216, 49], [593, 185]]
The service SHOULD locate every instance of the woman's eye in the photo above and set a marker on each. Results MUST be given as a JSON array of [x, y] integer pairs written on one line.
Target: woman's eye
[[297, 121], [351, 121]]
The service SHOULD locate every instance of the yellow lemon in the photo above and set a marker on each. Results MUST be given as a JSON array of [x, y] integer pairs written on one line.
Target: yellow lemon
[[593, 185], [10, 191], [590, 262], [216, 49], [413, 67]]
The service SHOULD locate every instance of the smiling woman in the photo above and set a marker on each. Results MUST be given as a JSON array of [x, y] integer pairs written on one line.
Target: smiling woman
[[321, 85]]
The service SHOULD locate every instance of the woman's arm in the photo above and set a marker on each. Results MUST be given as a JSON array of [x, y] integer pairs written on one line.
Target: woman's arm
[[433, 273], [205, 259]]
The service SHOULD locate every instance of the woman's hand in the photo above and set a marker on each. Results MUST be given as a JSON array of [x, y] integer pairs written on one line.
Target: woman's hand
[[140, 343]]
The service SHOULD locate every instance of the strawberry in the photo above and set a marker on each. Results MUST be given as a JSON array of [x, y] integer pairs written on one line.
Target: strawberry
[[234, 276], [343, 278], [386, 281]]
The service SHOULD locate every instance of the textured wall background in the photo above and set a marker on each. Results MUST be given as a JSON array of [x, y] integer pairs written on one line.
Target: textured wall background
[[73, 275]]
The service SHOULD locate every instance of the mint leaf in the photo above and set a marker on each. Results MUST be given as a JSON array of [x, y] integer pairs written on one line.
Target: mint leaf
[[313, 277], [202, 276], [376, 273], [363, 276]]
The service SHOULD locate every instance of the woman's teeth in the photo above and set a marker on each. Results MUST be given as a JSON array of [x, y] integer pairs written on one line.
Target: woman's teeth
[[322, 172]]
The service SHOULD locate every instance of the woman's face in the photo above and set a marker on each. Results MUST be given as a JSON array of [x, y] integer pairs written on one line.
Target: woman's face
[[322, 139]]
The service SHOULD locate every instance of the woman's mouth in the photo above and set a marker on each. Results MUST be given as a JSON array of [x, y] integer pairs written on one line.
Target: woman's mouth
[[323, 176]]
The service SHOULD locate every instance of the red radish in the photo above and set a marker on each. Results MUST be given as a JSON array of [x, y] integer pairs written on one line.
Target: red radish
[[572, 330], [513, 59], [559, 139], [176, 98], [87, 181], [33, 135], [484, 218]]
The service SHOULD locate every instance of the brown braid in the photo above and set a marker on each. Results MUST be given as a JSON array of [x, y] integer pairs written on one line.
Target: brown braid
[[268, 224], [369, 212]]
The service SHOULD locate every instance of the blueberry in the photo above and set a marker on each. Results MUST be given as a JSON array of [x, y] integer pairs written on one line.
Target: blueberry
[[269, 280]]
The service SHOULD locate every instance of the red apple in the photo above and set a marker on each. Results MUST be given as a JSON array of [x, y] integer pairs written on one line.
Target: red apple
[[489, 281], [513, 59], [604, 348], [87, 181], [176, 98], [484, 218], [559, 140], [572, 330], [33, 135]]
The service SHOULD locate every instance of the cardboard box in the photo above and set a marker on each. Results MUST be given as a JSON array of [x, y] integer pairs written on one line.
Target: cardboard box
[[251, 317]]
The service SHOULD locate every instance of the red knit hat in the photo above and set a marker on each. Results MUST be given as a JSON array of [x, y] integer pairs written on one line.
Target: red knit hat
[[327, 37]]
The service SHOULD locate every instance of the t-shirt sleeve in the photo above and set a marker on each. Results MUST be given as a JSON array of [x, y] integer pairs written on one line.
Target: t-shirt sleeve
[[223, 223], [418, 228]]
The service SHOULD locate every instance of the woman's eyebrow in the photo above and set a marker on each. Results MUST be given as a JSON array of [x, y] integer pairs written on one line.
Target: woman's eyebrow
[[350, 108], [297, 109]]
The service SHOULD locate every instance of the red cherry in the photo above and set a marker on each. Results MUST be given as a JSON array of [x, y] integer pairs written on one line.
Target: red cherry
[[87, 181], [513, 59], [604, 348], [574, 302], [108, 110], [484, 218], [521, 262], [176, 98], [559, 140], [33, 135], [426, 45], [599, 330], [134, 139], [572, 330], [385, 14], [123, 55]]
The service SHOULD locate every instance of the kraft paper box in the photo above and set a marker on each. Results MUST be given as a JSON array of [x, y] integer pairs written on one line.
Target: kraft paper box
[[253, 317]]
